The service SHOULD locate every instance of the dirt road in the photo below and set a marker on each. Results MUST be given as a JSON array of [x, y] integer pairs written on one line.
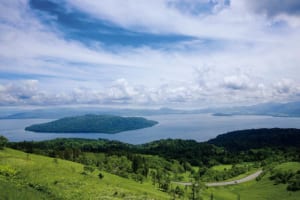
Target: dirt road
[[233, 182]]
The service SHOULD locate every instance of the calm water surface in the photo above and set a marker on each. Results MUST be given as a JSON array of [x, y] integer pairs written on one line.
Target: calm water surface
[[200, 127]]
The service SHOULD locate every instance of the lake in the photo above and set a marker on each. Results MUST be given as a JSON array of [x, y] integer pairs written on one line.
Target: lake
[[200, 127]]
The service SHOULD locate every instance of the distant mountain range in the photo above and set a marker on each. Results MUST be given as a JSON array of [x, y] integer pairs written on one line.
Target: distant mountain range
[[55, 113], [291, 109]]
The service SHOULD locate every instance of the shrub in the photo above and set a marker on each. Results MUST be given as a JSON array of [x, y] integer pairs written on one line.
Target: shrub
[[7, 171], [100, 175], [294, 183]]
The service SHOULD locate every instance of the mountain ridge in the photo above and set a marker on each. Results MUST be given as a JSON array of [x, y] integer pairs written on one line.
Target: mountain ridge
[[290, 109]]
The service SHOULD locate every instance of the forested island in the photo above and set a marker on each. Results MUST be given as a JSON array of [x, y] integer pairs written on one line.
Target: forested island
[[92, 124]]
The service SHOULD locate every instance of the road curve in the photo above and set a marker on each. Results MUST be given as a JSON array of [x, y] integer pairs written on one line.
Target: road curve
[[233, 182], [242, 180]]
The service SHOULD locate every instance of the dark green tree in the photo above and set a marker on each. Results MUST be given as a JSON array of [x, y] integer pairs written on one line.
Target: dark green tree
[[195, 191], [3, 142], [153, 177], [179, 192], [100, 175], [136, 163], [165, 184]]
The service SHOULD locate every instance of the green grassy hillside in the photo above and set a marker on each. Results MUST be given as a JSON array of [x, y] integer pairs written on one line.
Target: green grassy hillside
[[8, 191], [39, 177], [293, 166], [167, 164]]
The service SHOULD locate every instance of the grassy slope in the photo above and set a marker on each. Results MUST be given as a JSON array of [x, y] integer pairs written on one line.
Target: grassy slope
[[221, 167], [293, 166], [63, 180], [262, 190], [8, 191]]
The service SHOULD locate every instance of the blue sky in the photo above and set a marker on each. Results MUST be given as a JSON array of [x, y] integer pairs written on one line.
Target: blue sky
[[77, 25], [176, 53]]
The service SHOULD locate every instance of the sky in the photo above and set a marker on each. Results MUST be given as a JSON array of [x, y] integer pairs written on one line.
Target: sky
[[141, 53]]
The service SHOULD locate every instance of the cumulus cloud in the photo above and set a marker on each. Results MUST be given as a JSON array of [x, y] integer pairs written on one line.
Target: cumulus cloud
[[22, 92], [283, 86], [121, 91], [236, 89], [240, 82], [286, 87]]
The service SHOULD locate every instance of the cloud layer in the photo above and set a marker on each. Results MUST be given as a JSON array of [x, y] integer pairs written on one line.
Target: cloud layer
[[198, 53]]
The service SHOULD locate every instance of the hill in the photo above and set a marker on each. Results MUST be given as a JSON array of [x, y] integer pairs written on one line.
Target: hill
[[92, 124], [155, 168], [224, 149], [39, 177], [258, 138]]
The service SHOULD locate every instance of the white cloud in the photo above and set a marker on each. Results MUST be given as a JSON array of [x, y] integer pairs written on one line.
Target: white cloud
[[18, 92], [121, 92], [239, 21], [286, 88], [186, 73], [240, 82], [159, 17]]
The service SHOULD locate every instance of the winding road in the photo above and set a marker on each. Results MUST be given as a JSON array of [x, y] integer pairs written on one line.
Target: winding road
[[233, 182]]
